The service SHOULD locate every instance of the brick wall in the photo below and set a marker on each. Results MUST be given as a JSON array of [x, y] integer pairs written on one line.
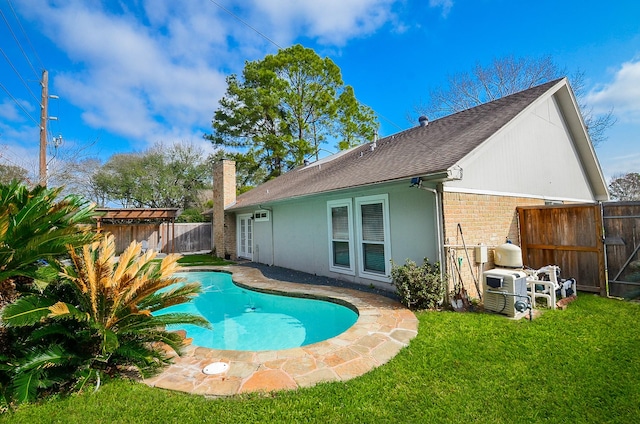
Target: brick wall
[[486, 219], [230, 235], [224, 194]]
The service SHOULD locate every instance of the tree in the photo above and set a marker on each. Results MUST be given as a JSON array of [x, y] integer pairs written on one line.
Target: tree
[[69, 164], [160, 177], [99, 319], [506, 76], [625, 187], [9, 173], [283, 108], [77, 176]]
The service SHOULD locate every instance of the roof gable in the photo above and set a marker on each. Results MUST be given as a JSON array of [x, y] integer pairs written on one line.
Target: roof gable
[[418, 151]]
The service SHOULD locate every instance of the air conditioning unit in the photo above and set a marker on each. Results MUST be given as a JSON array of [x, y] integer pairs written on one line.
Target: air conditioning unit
[[502, 288]]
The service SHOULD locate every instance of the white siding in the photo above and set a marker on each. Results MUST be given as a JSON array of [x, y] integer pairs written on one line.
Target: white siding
[[533, 155]]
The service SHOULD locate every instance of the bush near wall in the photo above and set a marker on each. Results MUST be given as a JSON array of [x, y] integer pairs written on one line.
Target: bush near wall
[[419, 287]]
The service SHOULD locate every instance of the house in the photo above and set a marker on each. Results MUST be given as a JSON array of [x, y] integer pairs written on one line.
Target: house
[[433, 191]]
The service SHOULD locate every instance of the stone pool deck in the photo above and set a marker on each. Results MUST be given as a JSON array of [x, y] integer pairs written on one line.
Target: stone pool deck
[[383, 327]]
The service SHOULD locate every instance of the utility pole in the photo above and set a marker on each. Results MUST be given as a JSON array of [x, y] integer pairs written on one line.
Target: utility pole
[[44, 106]]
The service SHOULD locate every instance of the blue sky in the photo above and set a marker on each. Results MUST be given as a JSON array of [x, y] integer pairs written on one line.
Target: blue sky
[[129, 74]]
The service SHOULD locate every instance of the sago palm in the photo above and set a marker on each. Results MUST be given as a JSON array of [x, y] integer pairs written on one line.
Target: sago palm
[[36, 225], [109, 305]]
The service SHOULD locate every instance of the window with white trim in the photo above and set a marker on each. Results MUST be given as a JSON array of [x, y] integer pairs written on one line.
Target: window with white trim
[[261, 215], [373, 235], [340, 237]]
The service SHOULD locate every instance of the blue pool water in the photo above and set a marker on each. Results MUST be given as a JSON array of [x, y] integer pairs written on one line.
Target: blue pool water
[[247, 320]]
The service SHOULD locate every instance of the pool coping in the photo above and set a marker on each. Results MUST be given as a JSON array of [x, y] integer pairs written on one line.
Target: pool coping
[[382, 329]]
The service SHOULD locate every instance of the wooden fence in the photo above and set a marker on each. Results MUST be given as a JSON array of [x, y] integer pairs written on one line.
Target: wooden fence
[[188, 237], [570, 236], [622, 241]]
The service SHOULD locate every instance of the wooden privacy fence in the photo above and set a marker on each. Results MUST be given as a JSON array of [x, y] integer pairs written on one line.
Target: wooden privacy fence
[[181, 237], [570, 236], [622, 242]]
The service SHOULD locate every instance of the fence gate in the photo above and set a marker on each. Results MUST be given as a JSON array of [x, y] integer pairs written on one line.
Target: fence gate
[[570, 236], [622, 241]]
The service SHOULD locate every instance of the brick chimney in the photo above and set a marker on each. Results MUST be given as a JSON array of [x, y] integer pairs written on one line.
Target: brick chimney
[[224, 195]]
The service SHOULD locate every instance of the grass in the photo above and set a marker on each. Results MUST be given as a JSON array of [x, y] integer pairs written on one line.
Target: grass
[[202, 259], [581, 365]]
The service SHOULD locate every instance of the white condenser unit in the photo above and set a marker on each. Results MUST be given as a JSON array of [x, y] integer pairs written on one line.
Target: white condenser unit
[[502, 288]]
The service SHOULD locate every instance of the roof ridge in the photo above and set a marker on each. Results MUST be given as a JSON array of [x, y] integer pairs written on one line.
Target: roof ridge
[[508, 97], [416, 151]]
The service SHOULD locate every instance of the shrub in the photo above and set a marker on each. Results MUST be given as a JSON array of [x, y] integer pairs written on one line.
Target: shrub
[[36, 225], [419, 287], [95, 321]]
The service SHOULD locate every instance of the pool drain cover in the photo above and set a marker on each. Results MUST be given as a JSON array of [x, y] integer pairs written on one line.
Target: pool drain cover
[[215, 368]]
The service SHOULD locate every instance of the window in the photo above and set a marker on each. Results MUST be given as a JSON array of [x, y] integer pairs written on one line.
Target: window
[[261, 215], [373, 236], [340, 237]]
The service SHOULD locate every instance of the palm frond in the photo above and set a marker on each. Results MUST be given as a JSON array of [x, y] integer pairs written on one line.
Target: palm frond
[[110, 341], [26, 310], [134, 323], [58, 309], [32, 373], [24, 387], [170, 265], [127, 261], [170, 338], [145, 358], [182, 293], [91, 283], [62, 310], [54, 329], [42, 358]]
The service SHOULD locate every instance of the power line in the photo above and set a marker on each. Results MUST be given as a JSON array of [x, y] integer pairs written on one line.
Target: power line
[[392, 123], [6, 159], [35, 53], [246, 24], [18, 74], [16, 39], [18, 103], [45, 131]]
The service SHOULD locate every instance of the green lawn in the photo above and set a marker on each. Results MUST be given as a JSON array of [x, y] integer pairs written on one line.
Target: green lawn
[[202, 259], [573, 366]]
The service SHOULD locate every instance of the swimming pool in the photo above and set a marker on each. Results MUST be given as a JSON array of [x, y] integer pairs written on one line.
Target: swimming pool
[[247, 320]]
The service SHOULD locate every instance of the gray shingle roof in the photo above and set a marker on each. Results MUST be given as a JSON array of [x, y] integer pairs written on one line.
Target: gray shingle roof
[[414, 152]]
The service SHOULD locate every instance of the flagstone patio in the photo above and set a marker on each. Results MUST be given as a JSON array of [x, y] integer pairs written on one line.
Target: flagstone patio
[[383, 327]]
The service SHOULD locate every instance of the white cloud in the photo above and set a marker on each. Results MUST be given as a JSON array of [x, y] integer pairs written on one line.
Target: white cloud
[[622, 94], [154, 70], [18, 110], [137, 75], [446, 5], [9, 110], [332, 22]]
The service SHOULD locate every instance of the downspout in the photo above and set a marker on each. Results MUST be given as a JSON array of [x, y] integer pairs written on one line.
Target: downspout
[[437, 207], [452, 174]]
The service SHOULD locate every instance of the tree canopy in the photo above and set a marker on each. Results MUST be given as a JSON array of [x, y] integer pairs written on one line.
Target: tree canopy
[[625, 187], [161, 177], [10, 173], [282, 109], [506, 76]]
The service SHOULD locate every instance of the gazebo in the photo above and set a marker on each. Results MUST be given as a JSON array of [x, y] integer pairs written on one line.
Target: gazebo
[[141, 224]]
